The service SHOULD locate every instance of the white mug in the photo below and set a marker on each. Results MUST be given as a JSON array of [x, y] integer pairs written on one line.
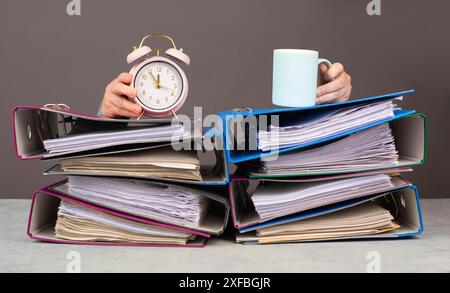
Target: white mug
[[295, 74]]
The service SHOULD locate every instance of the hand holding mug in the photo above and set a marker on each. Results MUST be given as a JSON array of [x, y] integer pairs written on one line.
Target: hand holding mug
[[295, 73], [338, 86]]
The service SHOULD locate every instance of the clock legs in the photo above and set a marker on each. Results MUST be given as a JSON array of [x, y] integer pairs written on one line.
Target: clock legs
[[174, 114], [143, 111], [140, 116]]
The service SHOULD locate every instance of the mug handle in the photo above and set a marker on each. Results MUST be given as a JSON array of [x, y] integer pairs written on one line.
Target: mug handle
[[326, 62]]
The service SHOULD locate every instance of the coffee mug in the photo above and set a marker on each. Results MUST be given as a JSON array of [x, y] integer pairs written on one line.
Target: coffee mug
[[295, 74]]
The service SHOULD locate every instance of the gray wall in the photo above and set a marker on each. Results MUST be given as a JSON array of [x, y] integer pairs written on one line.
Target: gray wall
[[47, 56]]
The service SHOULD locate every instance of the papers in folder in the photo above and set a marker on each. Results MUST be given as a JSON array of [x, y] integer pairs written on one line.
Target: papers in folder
[[99, 139], [326, 124], [280, 199], [366, 219], [169, 204], [153, 163], [79, 223], [369, 149]]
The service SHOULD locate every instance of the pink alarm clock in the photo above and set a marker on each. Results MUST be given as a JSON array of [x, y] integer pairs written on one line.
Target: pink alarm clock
[[161, 84]]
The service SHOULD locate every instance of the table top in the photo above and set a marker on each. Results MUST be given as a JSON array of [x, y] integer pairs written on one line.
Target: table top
[[427, 253]]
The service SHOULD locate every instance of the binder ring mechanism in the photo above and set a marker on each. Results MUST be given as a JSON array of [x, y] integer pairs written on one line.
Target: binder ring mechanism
[[390, 198], [242, 110], [63, 107], [41, 119]]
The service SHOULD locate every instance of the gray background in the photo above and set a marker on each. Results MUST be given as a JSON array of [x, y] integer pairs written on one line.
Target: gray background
[[47, 56]]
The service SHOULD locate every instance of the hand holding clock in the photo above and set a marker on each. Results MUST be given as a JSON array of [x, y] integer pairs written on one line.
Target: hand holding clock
[[118, 100]]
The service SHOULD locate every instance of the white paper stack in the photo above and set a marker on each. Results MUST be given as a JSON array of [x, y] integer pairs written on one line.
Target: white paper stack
[[168, 204], [324, 125], [280, 199], [79, 223], [99, 139], [369, 149]]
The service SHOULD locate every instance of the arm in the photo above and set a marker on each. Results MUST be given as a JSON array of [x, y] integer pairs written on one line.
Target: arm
[[338, 86]]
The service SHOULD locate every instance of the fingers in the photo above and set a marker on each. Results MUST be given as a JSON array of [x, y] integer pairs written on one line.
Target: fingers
[[115, 106], [334, 71], [125, 78], [337, 96], [323, 68], [119, 98], [338, 88], [335, 85], [121, 89], [126, 105]]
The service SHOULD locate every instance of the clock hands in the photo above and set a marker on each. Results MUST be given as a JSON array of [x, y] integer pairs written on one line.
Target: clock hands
[[164, 87], [151, 74], [157, 85], [157, 82]]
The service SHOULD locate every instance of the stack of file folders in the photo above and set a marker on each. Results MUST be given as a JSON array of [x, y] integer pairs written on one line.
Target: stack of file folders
[[126, 184], [328, 172]]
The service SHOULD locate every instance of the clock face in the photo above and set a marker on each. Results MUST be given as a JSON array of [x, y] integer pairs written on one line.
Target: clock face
[[159, 85]]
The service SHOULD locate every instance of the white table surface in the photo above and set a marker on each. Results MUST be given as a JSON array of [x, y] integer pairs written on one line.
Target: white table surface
[[428, 253]]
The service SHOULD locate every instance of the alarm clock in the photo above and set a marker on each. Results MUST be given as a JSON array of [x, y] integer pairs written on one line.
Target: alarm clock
[[159, 80]]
